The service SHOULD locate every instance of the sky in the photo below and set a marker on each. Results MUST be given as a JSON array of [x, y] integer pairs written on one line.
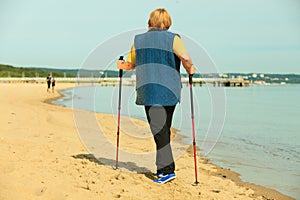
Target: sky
[[239, 36]]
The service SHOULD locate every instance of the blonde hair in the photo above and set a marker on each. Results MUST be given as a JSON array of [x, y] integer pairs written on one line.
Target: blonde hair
[[160, 18]]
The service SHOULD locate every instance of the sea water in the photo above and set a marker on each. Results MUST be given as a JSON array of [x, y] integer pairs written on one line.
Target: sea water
[[260, 135]]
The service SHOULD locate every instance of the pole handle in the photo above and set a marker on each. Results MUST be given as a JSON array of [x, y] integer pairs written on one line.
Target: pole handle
[[191, 78], [121, 70]]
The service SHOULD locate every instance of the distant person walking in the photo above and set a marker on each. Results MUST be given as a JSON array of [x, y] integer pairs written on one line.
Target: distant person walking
[[156, 55], [53, 84], [48, 79]]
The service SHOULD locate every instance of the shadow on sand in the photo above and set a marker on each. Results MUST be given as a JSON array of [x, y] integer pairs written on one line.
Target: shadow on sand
[[130, 166]]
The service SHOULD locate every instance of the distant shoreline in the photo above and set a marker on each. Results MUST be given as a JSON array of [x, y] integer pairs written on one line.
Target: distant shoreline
[[9, 71]]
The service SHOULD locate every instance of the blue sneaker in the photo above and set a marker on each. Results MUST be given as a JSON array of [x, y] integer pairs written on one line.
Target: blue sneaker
[[165, 178]]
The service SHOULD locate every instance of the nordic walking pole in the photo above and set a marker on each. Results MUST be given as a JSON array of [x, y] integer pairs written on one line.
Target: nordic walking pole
[[119, 109], [193, 126]]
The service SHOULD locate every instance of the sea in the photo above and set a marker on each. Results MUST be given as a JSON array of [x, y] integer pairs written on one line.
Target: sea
[[254, 131]]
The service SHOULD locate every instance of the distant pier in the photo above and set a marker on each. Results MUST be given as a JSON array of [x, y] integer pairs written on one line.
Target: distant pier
[[218, 82], [110, 81]]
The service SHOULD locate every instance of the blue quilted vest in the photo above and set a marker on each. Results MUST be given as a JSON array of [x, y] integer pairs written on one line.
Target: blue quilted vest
[[158, 79]]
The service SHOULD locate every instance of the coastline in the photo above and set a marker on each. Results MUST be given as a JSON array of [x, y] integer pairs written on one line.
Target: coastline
[[43, 156]]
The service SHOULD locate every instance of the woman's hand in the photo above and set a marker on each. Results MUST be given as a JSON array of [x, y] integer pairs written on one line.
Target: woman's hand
[[121, 64]]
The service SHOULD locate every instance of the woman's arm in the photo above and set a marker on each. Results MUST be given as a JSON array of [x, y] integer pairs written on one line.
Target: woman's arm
[[187, 63], [183, 55]]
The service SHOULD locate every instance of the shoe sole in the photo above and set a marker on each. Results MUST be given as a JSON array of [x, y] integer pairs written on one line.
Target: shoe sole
[[165, 181]]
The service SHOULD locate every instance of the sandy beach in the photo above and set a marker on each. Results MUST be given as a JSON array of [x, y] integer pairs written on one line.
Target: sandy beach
[[42, 157]]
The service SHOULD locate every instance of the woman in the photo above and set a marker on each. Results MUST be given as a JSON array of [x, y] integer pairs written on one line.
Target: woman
[[53, 84], [48, 79], [156, 55]]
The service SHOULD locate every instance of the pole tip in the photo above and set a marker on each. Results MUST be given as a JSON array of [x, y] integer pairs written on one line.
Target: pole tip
[[115, 167], [195, 183]]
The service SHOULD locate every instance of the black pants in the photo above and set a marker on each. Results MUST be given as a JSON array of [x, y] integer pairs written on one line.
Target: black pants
[[160, 121]]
